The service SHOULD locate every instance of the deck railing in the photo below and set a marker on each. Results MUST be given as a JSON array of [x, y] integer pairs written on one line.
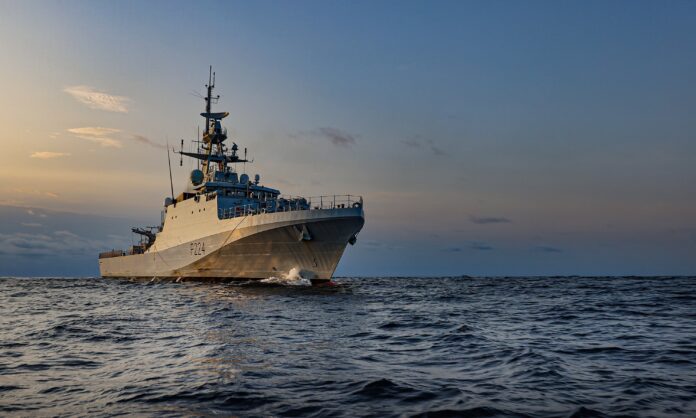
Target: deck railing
[[286, 203], [112, 253]]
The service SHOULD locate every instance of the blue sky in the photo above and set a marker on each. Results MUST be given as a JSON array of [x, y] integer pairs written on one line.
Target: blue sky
[[496, 137]]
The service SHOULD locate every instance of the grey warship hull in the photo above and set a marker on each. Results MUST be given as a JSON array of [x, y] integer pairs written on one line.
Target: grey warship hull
[[307, 242]]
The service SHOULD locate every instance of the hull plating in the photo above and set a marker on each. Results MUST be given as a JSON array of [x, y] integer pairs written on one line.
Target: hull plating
[[256, 247]]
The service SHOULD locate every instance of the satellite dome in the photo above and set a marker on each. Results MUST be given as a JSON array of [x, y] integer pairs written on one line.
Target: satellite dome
[[168, 201], [244, 178], [196, 177]]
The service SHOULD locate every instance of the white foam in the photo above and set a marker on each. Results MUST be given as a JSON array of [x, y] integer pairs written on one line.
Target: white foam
[[292, 278]]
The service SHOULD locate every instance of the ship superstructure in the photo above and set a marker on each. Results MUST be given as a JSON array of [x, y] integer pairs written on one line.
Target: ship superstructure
[[227, 226]]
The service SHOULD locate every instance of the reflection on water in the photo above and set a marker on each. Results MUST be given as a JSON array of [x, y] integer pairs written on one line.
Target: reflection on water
[[400, 346]]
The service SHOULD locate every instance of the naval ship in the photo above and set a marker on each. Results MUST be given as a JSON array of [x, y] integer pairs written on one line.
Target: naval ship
[[225, 226]]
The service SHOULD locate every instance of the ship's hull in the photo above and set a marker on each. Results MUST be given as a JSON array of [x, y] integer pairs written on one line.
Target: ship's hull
[[308, 242]]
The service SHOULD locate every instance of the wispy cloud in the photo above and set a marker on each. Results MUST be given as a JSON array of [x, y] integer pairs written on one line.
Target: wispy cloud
[[412, 143], [333, 135], [547, 249], [35, 192], [375, 245], [145, 140], [96, 99], [419, 143], [47, 155], [98, 134], [32, 213], [45, 244], [31, 224], [480, 246], [337, 137], [483, 220]]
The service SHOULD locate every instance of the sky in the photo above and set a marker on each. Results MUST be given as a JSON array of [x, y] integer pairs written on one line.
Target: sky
[[487, 138]]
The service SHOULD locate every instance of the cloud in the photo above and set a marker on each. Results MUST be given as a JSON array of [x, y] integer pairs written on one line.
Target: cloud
[[31, 224], [35, 193], [337, 137], [547, 249], [96, 99], [483, 220], [98, 134], [333, 135], [480, 246], [24, 244], [412, 144], [378, 245], [40, 215], [59, 243], [434, 149], [419, 143], [145, 140], [47, 155]]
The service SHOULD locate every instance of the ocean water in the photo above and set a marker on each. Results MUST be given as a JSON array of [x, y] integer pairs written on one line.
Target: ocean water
[[474, 347]]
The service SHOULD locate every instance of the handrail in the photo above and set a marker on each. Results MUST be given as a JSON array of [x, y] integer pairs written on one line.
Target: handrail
[[286, 203], [283, 203]]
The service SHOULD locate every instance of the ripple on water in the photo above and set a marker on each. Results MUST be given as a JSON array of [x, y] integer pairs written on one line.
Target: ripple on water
[[422, 347]]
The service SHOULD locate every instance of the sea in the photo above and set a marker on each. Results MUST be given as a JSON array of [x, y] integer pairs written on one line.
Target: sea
[[370, 346]]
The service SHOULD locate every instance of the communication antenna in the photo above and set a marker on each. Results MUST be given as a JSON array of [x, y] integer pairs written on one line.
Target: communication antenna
[[181, 156], [209, 98], [244, 166], [171, 182]]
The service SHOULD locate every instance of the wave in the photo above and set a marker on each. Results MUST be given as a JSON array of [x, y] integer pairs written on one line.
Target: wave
[[425, 347], [291, 278]]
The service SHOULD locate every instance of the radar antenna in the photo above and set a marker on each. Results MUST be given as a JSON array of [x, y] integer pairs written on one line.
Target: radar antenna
[[212, 154]]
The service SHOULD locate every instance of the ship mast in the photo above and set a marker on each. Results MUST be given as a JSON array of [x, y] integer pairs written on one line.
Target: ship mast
[[213, 135], [208, 101], [210, 86]]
